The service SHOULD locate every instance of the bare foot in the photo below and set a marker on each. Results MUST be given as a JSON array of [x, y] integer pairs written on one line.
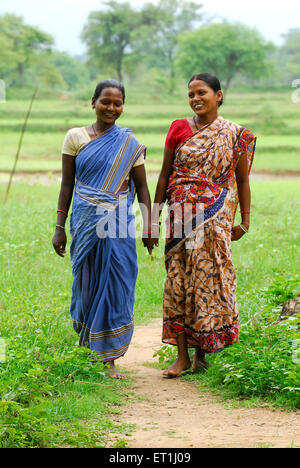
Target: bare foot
[[199, 361], [113, 372], [180, 365]]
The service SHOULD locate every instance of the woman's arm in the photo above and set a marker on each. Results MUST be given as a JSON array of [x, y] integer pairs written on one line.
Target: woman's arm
[[139, 177], [242, 179], [59, 240]]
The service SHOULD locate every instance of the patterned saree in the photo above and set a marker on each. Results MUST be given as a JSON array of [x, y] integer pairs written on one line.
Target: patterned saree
[[103, 245], [199, 296]]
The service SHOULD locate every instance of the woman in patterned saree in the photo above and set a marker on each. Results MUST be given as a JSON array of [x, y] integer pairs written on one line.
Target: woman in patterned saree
[[105, 163], [207, 160]]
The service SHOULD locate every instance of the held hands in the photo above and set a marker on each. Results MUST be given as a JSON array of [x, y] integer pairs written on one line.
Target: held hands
[[150, 239]]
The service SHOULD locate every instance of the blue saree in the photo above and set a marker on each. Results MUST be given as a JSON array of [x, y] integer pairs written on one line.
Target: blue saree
[[103, 245]]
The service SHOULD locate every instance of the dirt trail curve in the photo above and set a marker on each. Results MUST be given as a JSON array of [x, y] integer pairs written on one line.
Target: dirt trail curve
[[170, 413]]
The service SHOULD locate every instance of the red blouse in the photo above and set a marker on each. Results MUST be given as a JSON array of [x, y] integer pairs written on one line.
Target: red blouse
[[179, 131]]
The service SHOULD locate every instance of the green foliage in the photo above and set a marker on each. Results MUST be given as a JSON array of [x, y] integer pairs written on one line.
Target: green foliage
[[166, 354], [37, 372], [26, 57], [224, 50], [262, 363], [73, 72], [289, 56], [282, 289], [25, 45], [109, 37], [159, 40], [128, 37]]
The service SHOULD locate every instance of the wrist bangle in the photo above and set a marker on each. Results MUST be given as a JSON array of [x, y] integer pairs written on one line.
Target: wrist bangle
[[59, 226], [244, 228], [63, 212]]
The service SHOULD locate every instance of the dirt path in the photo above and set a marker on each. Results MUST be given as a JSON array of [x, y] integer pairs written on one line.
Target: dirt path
[[170, 413]]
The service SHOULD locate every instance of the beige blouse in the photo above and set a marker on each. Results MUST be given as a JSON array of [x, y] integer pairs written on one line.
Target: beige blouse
[[77, 138]]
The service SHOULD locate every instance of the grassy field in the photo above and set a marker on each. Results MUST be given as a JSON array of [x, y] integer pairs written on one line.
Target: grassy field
[[49, 387], [272, 116]]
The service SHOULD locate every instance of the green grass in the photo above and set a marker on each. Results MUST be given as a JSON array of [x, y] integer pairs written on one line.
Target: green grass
[[277, 161], [51, 393], [49, 388]]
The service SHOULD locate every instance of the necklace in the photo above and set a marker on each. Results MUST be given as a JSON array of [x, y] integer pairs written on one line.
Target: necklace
[[200, 128], [97, 135]]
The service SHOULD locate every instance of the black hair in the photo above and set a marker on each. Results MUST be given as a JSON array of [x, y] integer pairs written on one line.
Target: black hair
[[109, 84], [212, 81]]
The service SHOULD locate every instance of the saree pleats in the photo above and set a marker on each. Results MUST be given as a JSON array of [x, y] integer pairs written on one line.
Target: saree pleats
[[105, 288], [103, 246], [199, 295]]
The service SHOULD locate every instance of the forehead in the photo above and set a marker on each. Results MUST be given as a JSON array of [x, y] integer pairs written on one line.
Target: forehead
[[112, 93], [198, 85]]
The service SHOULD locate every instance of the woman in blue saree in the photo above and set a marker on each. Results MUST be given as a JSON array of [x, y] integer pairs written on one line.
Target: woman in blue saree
[[103, 165]]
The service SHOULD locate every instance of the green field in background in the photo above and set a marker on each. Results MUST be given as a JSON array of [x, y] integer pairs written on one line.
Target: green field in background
[[274, 118]]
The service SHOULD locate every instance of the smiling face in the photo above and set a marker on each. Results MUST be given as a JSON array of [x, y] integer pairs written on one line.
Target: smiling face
[[203, 100], [109, 105]]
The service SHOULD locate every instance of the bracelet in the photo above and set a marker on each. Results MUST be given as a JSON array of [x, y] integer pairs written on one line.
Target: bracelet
[[244, 228], [62, 227], [62, 211], [155, 224]]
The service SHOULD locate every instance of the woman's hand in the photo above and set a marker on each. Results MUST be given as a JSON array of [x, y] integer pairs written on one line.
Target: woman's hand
[[151, 239], [237, 232], [59, 242], [148, 244]]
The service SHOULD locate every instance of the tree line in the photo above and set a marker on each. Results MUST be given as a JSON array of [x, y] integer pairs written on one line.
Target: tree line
[[166, 42]]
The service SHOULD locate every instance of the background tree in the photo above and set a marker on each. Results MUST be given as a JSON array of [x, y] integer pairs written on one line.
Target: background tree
[[109, 36], [8, 58], [73, 72], [225, 50], [164, 23], [25, 43], [289, 56]]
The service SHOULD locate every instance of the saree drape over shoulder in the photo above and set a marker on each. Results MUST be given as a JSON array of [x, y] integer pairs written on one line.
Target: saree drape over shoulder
[[103, 245], [199, 296]]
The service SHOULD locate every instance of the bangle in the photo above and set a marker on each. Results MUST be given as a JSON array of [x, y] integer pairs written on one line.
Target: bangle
[[58, 226], [155, 224], [62, 211], [244, 228]]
